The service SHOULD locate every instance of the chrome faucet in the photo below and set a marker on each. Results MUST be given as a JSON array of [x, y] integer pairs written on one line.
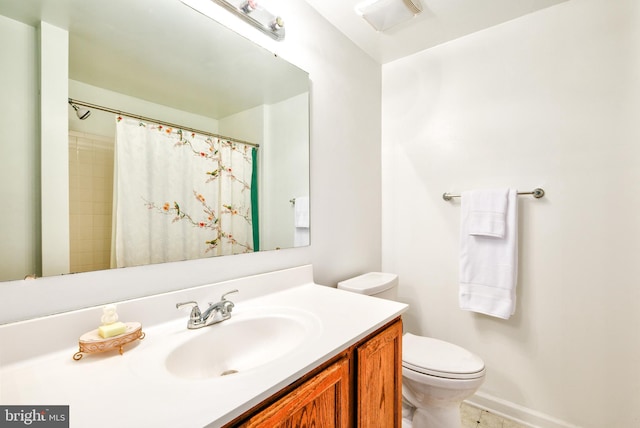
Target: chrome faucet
[[215, 313]]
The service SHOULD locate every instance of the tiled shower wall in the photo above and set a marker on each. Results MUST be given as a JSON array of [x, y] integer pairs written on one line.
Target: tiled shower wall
[[90, 200]]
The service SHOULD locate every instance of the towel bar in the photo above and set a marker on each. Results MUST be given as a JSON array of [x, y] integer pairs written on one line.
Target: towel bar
[[537, 193]]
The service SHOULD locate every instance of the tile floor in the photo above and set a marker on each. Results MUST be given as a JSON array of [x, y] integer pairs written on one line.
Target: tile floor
[[473, 417]]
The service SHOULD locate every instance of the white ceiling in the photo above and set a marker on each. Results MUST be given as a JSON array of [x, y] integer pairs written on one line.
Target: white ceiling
[[439, 22], [141, 49]]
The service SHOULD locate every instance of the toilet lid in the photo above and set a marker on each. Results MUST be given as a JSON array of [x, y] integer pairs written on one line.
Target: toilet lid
[[438, 358], [370, 283]]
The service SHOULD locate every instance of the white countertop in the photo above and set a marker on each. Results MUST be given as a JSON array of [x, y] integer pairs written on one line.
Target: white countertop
[[107, 390]]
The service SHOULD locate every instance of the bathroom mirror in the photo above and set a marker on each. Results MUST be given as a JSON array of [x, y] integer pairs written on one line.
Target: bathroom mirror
[[169, 63]]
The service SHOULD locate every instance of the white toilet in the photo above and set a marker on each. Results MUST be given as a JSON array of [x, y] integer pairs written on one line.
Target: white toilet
[[436, 375]]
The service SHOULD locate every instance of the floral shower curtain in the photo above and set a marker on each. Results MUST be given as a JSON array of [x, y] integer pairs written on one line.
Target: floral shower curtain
[[180, 195]]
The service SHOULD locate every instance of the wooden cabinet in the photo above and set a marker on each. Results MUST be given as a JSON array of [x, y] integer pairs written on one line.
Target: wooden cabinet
[[361, 387], [379, 379], [322, 401]]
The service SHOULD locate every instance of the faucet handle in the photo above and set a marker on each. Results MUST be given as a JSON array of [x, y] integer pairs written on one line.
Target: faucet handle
[[196, 315], [224, 305], [223, 298]]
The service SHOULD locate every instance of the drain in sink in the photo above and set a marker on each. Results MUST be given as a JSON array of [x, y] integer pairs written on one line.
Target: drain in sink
[[228, 372]]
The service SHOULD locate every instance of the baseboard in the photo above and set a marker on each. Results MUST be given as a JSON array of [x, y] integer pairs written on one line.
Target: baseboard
[[515, 412]]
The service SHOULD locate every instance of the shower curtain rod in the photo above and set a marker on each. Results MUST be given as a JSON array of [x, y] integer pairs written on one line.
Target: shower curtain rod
[[161, 122]]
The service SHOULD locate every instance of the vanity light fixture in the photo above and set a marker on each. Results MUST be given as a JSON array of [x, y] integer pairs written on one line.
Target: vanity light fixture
[[384, 14], [81, 112], [250, 11]]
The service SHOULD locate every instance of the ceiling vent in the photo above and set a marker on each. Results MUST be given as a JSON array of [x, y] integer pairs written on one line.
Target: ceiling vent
[[384, 14]]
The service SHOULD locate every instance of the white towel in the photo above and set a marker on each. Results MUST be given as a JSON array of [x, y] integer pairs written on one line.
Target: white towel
[[488, 265], [301, 237], [301, 212], [487, 212], [301, 222]]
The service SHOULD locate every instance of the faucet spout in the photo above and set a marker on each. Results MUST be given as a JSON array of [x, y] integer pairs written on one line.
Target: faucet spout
[[215, 313]]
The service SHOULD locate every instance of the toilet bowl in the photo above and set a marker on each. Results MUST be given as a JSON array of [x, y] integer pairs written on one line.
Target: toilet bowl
[[436, 375]]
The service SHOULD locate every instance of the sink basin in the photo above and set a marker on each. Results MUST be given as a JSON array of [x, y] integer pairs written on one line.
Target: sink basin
[[240, 344]]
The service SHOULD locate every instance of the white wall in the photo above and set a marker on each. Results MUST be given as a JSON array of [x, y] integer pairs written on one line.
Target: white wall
[[345, 183], [19, 118], [551, 100], [285, 138], [246, 125], [54, 149]]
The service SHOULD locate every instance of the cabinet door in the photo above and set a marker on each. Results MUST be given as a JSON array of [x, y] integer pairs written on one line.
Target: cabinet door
[[322, 401], [379, 362]]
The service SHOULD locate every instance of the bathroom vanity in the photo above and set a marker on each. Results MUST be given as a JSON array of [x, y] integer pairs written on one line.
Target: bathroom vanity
[[292, 351], [360, 387]]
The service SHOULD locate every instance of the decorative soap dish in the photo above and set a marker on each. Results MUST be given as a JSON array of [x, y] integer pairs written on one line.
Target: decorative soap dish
[[92, 342]]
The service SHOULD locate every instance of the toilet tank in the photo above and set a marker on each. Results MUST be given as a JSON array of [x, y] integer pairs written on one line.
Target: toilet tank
[[377, 284]]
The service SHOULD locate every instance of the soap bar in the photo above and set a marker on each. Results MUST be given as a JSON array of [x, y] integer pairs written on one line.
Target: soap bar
[[111, 330]]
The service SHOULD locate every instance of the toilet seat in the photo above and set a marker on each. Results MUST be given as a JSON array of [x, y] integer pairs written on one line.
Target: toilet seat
[[435, 357]]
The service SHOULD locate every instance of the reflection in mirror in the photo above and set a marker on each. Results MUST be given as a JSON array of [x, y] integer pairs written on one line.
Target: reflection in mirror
[[167, 64]]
